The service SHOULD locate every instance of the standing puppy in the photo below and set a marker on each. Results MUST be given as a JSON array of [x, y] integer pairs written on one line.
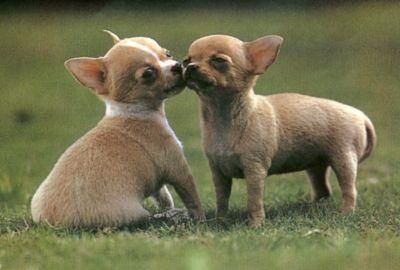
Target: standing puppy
[[250, 136], [102, 179]]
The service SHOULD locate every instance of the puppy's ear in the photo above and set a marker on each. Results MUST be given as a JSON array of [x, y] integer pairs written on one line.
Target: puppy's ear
[[262, 52], [114, 37], [90, 72]]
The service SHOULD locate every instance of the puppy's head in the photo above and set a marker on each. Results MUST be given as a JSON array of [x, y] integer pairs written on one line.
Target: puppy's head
[[220, 65], [133, 70]]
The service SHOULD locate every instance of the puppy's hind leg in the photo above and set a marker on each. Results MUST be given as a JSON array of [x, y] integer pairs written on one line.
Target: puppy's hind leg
[[163, 198], [136, 213], [345, 168], [119, 213], [319, 179]]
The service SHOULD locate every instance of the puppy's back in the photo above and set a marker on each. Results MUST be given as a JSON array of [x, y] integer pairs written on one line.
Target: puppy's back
[[89, 179], [322, 124]]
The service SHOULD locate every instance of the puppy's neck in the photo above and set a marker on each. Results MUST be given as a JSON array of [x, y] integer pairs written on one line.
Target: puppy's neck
[[115, 109], [227, 110], [142, 111]]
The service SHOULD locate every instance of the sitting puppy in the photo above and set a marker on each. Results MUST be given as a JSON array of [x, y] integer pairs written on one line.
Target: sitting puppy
[[250, 136], [102, 179]]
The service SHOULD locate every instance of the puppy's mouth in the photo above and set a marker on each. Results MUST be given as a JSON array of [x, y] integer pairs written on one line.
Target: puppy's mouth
[[197, 81], [175, 88], [198, 85]]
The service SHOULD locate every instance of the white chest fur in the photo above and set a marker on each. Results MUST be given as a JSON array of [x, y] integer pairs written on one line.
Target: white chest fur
[[138, 111], [166, 125]]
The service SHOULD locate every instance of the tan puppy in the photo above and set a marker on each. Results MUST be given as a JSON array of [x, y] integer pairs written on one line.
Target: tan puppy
[[102, 179], [250, 136]]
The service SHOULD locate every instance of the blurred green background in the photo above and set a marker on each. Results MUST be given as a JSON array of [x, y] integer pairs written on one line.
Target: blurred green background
[[346, 52]]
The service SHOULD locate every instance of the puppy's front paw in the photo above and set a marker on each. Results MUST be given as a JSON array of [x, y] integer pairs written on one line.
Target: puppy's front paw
[[174, 214], [202, 218], [222, 213], [256, 218], [347, 210], [256, 223]]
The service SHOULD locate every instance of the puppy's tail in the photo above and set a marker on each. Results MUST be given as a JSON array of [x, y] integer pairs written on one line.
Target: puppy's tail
[[371, 139]]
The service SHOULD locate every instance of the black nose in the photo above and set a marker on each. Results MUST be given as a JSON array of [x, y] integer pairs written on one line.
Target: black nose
[[177, 68], [190, 68]]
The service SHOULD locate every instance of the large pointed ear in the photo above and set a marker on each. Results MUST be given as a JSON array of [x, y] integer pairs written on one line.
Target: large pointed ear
[[262, 52], [90, 72], [114, 37]]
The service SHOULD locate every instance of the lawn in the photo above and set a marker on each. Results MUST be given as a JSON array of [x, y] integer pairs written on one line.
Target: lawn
[[348, 53]]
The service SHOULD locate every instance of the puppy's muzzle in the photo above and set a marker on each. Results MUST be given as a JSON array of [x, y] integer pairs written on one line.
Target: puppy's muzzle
[[177, 69], [190, 69], [195, 79], [177, 83]]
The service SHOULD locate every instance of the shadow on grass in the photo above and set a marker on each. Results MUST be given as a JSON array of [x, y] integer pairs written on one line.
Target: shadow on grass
[[277, 214], [302, 209]]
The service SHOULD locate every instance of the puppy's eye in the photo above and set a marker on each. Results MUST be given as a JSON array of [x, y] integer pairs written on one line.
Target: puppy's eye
[[219, 63], [149, 74], [186, 62], [218, 60], [168, 54]]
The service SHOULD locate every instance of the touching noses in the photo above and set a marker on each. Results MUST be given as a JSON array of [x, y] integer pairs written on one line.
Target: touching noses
[[190, 68], [177, 69]]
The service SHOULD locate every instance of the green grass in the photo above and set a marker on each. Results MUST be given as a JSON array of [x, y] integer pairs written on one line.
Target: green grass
[[348, 53]]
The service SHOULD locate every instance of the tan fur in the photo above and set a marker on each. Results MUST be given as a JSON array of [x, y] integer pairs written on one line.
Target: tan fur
[[250, 136], [102, 179]]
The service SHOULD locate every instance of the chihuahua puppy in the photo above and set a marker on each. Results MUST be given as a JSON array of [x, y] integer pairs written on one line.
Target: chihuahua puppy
[[250, 136], [102, 179]]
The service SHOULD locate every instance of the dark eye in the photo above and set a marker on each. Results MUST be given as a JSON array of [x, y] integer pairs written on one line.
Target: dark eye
[[219, 63], [168, 54], [186, 62], [218, 60], [149, 74]]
